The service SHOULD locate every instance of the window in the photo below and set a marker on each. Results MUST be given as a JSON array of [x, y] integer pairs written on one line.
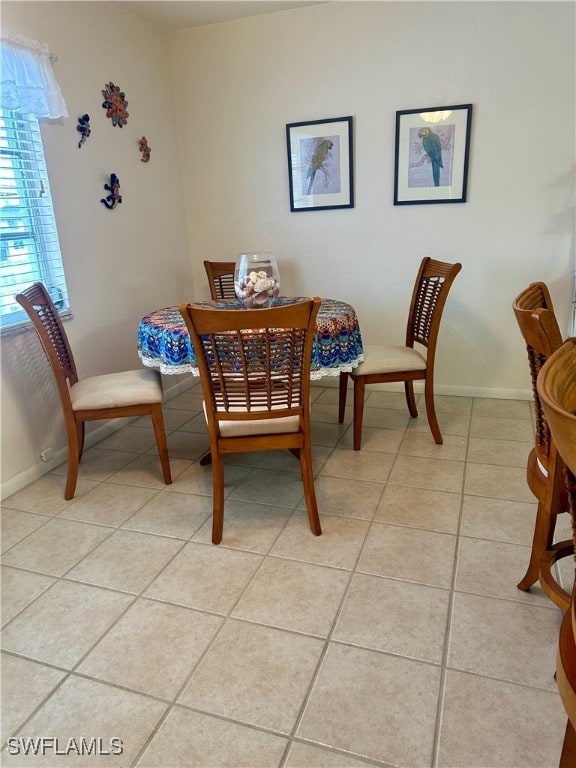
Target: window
[[29, 247]]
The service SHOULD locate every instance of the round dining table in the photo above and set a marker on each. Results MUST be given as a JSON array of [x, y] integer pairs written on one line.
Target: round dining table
[[164, 342]]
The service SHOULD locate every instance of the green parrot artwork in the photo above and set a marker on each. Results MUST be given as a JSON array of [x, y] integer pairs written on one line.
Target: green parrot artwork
[[432, 147], [317, 163]]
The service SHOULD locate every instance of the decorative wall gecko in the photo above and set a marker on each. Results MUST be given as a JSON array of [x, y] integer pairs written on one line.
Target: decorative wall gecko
[[112, 200]]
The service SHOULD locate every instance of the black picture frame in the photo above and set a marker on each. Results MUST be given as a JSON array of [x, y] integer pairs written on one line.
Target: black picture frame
[[320, 164], [432, 154]]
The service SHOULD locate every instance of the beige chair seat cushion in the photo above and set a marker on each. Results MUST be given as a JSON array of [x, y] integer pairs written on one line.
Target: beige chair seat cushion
[[113, 390], [381, 359], [257, 426]]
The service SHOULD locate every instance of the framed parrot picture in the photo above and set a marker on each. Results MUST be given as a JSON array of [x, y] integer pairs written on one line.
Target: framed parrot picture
[[432, 151], [320, 167]]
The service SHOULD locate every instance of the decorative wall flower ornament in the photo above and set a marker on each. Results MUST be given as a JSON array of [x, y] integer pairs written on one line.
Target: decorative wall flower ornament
[[115, 104]]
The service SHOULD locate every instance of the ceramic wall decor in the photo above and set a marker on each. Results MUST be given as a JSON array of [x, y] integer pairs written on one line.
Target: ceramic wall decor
[[115, 104], [114, 198], [83, 128], [145, 149]]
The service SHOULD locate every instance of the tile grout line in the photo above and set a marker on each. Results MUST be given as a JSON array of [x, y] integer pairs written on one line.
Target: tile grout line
[[449, 612]]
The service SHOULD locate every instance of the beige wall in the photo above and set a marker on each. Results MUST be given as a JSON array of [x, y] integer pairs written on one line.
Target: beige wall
[[238, 84], [119, 264], [230, 91]]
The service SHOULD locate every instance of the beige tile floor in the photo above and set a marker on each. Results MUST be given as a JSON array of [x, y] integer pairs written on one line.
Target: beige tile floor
[[397, 638]]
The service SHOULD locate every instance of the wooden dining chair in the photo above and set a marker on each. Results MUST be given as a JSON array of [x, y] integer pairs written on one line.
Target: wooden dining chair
[[109, 396], [383, 364], [255, 372], [556, 385], [538, 325], [221, 279]]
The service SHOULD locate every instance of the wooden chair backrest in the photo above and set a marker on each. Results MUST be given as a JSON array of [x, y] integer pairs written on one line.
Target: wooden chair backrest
[[538, 325], [431, 289], [221, 279], [556, 386], [40, 309], [254, 364]]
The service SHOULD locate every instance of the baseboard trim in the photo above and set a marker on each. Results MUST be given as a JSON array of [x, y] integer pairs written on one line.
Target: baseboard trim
[[485, 393]]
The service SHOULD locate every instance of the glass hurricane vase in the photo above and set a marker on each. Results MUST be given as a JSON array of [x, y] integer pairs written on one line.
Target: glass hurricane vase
[[256, 279]]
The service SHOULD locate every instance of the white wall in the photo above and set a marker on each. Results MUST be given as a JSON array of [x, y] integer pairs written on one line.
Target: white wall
[[119, 264], [232, 89], [238, 84]]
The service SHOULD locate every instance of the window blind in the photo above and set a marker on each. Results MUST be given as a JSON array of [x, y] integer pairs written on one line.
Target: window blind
[[29, 246]]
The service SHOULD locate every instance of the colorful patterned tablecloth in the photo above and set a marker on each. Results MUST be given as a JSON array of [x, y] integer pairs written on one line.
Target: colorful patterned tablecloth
[[164, 343]]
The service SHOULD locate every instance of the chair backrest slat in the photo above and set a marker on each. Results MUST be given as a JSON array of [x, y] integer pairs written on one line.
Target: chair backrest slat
[[221, 279]]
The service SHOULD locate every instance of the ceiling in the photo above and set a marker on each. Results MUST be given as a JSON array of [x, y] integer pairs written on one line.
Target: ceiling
[[180, 14]]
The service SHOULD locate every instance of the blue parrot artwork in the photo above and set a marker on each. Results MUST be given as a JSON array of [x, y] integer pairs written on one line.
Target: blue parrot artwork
[[433, 148]]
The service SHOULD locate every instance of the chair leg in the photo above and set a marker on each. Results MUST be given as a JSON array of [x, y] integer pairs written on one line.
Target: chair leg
[[343, 385], [541, 541], [206, 458], [75, 432], [158, 424], [309, 491], [81, 436], [431, 410], [551, 502], [568, 756], [550, 586], [359, 390], [410, 399], [218, 503]]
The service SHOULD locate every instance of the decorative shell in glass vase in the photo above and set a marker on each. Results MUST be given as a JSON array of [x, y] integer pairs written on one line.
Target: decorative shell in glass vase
[[256, 279]]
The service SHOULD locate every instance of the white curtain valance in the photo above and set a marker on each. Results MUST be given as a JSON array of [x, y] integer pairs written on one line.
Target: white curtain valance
[[27, 81]]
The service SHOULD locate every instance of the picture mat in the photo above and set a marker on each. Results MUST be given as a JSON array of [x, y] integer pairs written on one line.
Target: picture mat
[[459, 119], [300, 164]]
